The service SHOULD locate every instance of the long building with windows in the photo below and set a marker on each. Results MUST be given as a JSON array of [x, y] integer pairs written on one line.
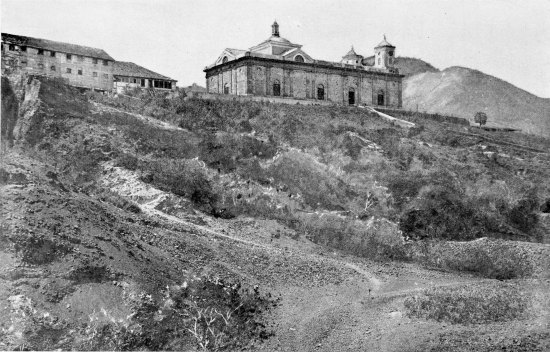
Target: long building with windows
[[81, 66], [279, 68]]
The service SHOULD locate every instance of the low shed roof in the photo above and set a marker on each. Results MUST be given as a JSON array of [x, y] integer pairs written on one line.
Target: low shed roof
[[130, 69]]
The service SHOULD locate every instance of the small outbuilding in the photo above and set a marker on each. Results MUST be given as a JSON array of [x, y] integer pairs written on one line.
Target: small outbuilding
[[129, 75]]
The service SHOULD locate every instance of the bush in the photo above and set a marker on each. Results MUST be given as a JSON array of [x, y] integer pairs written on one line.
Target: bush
[[377, 239], [212, 314], [468, 304], [204, 312], [442, 213], [181, 177], [495, 259], [523, 215]]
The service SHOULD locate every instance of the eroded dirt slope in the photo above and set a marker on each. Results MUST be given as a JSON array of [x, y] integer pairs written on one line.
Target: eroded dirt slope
[[70, 256]]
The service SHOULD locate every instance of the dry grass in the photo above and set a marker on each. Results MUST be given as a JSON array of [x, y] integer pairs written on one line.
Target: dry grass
[[469, 304]]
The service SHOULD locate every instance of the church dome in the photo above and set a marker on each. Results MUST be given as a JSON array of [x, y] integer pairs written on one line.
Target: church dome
[[352, 55], [278, 39]]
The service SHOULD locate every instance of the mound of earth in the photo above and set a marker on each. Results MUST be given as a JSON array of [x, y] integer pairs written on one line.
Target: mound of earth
[[462, 92]]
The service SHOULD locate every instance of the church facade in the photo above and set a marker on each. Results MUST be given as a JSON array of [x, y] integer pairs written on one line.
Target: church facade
[[279, 68]]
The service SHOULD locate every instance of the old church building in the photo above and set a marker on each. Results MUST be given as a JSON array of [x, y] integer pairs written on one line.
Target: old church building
[[279, 68]]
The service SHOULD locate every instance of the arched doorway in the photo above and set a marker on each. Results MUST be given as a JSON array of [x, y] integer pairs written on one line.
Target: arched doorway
[[351, 96], [321, 92], [276, 88], [380, 99], [226, 88]]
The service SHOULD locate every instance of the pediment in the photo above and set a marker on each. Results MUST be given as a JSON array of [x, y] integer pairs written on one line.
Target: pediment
[[292, 53], [230, 54]]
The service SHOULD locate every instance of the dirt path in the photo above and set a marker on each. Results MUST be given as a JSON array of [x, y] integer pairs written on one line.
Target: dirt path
[[150, 120]]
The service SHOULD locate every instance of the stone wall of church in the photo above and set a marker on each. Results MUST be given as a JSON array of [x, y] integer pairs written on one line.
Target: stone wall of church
[[233, 80], [259, 78]]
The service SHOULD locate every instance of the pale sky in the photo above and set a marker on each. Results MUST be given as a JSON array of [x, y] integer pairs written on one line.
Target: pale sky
[[509, 39]]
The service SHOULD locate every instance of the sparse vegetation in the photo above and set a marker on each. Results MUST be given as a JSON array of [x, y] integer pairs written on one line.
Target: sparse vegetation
[[443, 195], [469, 305]]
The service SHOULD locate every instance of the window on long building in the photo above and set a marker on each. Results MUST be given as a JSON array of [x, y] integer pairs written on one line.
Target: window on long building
[[94, 61], [69, 57], [11, 47], [52, 53], [69, 70], [80, 71], [23, 48], [142, 82], [105, 63], [40, 52]]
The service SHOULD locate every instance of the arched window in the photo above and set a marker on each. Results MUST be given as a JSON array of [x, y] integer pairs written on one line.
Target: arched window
[[299, 58], [380, 100], [276, 88], [224, 60], [226, 88], [321, 92]]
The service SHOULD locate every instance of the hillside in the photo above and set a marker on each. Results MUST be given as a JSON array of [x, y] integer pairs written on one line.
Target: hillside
[[462, 92], [409, 66], [159, 222]]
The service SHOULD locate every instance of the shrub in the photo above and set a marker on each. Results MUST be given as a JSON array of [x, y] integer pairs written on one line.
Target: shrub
[[376, 239], [208, 312], [181, 177], [523, 215], [468, 304], [127, 161], [203, 312], [304, 175], [495, 259], [442, 213]]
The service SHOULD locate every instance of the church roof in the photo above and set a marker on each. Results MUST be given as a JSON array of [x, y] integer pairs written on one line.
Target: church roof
[[384, 43], [352, 54], [277, 41], [235, 52]]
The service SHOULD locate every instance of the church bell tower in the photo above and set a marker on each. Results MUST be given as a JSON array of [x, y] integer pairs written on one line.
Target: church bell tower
[[384, 55]]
